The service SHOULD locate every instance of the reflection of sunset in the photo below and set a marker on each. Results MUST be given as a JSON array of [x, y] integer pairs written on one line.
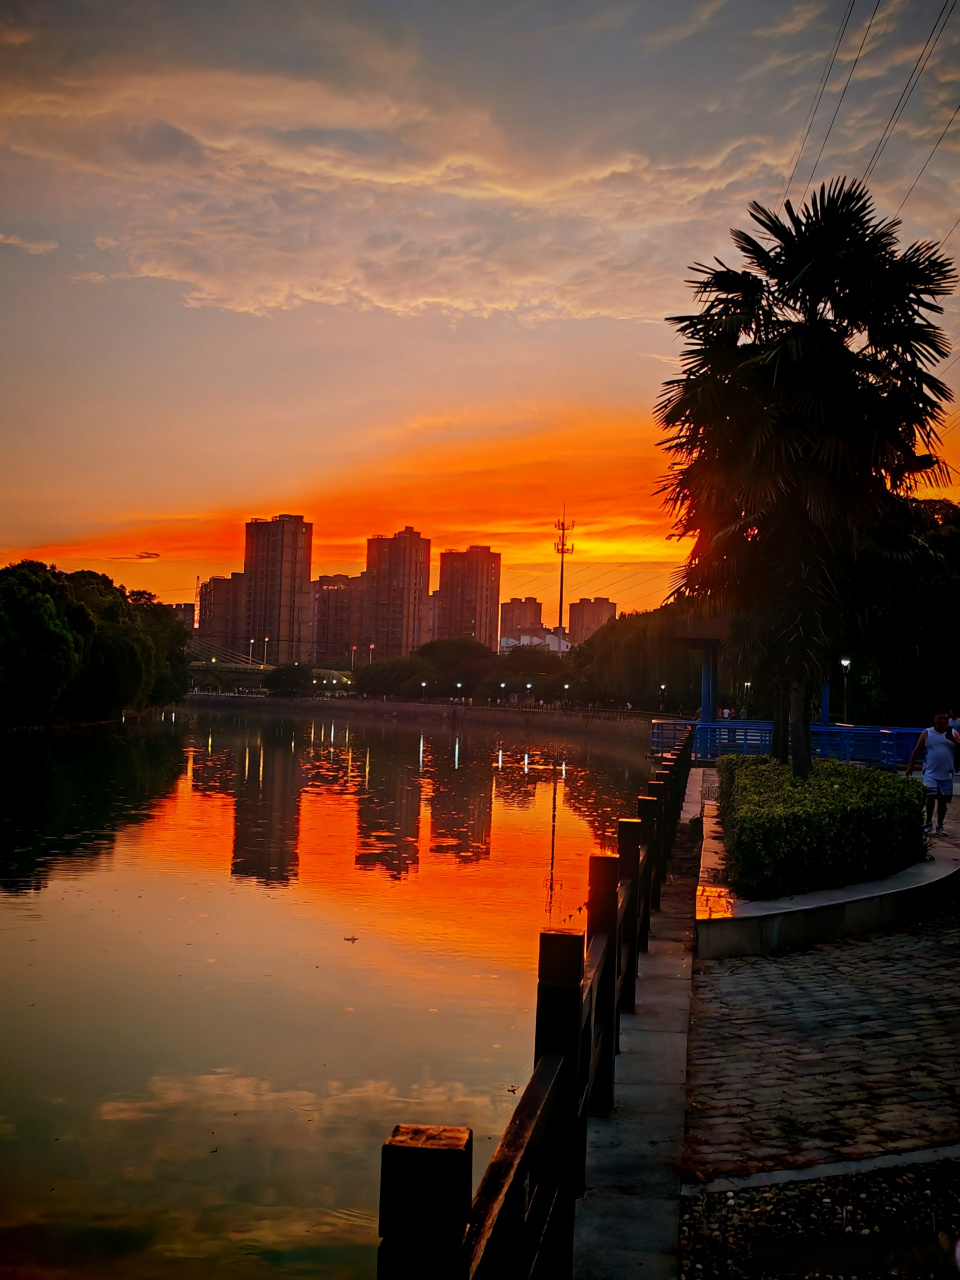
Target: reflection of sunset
[[253, 945]]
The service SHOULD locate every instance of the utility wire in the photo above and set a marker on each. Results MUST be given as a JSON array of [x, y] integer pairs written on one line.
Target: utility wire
[[843, 91], [949, 233], [929, 157], [815, 105], [912, 81]]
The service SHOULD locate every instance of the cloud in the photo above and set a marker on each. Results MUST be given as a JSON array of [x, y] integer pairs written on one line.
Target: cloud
[[701, 13], [30, 246]]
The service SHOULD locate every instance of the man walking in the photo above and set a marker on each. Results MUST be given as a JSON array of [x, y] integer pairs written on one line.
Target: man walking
[[938, 767]]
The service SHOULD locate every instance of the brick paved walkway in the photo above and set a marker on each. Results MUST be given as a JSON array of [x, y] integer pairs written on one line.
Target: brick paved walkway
[[843, 1052]]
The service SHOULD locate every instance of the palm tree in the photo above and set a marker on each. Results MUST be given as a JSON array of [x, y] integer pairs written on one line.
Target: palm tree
[[806, 411]]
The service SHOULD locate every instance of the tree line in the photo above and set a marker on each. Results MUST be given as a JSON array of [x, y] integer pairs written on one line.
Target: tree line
[[76, 647]]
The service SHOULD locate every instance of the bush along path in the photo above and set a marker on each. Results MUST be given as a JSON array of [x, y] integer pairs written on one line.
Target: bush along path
[[841, 826]]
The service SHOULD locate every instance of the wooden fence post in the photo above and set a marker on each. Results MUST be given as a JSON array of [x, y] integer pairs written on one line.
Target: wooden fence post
[[657, 789], [559, 1029], [647, 813], [628, 846], [602, 919], [426, 1194]]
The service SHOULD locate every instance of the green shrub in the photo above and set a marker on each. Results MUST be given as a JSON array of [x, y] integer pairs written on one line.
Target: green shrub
[[841, 826]]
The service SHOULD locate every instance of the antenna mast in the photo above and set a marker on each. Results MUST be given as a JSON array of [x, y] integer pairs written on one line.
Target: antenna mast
[[563, 549]]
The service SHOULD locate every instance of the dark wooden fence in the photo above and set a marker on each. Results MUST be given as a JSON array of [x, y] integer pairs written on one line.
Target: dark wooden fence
[[521, 1221]]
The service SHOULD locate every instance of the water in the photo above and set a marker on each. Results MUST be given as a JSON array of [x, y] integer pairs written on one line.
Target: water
[[237, 949]]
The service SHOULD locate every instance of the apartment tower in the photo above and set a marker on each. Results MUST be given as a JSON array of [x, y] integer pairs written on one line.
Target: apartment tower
[[276, 569], [396, 582], [588, 616], [469, 595]]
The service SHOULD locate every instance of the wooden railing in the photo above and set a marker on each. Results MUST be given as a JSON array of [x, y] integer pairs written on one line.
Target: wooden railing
[[521, 1221]]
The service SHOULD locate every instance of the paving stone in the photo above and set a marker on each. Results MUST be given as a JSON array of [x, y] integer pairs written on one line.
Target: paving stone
[[852, 1048]]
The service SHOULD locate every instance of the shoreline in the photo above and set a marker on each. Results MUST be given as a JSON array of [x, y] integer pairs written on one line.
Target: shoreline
[[626, 727]]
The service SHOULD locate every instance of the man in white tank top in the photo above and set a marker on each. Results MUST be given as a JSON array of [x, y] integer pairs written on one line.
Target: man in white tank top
[[937, 744]]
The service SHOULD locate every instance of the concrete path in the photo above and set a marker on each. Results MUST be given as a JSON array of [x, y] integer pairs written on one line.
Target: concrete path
[[627, 1222]]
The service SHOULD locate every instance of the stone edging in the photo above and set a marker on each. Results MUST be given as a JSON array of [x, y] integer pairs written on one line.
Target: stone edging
[[841, 1169], [731, 926]]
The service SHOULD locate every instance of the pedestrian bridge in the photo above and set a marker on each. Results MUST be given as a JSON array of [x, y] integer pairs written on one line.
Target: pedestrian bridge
[[889, 748]]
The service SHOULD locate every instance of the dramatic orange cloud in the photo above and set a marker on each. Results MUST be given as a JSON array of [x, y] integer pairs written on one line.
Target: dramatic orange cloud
[[458, 481]]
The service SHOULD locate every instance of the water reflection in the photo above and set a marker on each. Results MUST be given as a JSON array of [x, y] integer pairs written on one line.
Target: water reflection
[[303, 932]]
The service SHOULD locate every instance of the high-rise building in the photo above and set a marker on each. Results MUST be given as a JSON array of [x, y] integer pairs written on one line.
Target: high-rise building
[[337, 618], [588, 616], [521, 617], [276, 566], [223, 612], [469, 595], [396, 582], [430, 620], [185, 612]]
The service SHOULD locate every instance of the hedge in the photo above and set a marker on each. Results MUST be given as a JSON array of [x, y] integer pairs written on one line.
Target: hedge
[[841, 826]]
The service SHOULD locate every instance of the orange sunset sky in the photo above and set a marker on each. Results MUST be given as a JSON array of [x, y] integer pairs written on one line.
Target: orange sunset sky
[[400, 262]]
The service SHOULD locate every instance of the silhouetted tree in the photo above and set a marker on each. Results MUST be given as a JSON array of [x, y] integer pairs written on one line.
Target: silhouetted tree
[[804, 417]]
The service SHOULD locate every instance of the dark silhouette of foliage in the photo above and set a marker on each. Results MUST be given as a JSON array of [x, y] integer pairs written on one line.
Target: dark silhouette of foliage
[[74, 646], [805, 415], [290, 680]]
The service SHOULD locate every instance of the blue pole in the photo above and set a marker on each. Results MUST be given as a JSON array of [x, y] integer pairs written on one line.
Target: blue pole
[[708, 705], [825, 702]]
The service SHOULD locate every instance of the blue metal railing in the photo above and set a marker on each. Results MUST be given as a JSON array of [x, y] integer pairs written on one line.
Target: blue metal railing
[[860, 744]]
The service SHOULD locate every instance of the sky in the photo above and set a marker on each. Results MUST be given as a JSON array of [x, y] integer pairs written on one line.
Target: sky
[[402, 261]]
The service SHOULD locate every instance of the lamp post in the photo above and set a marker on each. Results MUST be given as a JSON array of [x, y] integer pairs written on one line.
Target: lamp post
[[423, 686], [459, 686], [266, 640], [845, 663], [746, 700], [529, 687], [353, 656], [251, 653], [370, 659], [663, 689]]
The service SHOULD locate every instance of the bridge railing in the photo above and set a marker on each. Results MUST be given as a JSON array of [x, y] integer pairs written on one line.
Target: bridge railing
[[889, 748], [521, 1221]]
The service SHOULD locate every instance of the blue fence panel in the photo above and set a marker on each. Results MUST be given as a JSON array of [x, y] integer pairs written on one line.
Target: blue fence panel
[[859, 744]]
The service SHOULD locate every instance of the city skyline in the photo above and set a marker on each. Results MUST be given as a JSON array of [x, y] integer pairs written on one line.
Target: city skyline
[[274, 611], [393, 265]]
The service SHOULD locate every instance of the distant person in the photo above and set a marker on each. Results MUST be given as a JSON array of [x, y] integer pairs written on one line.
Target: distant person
[[954, 720], [726, 713], [743, 713], [939, 765]]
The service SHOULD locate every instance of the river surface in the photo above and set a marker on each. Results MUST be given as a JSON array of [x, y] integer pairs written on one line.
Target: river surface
[[237, 948]]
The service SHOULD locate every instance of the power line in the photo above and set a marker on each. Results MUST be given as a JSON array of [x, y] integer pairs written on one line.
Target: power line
[[836, 110], [929, 157], [949, 233], [815, 106], [912, 81]]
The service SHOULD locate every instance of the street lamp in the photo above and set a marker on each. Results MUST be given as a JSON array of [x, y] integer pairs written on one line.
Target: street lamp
[[459, 686], [370, 659], [663, 689], [746, 702], [423, 686], [266, 641], [845, 663], [353, 656], [251, 653]]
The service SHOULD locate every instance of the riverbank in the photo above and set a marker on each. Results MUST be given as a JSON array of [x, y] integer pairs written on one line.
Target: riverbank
[[621, 726]]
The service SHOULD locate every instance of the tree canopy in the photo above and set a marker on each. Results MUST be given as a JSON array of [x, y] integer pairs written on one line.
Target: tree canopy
[[805, 417], [75, 646]]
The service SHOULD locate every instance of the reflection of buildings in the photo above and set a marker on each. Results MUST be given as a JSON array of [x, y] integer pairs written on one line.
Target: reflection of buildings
[[388, 812], [267, 823], [461, 805]]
